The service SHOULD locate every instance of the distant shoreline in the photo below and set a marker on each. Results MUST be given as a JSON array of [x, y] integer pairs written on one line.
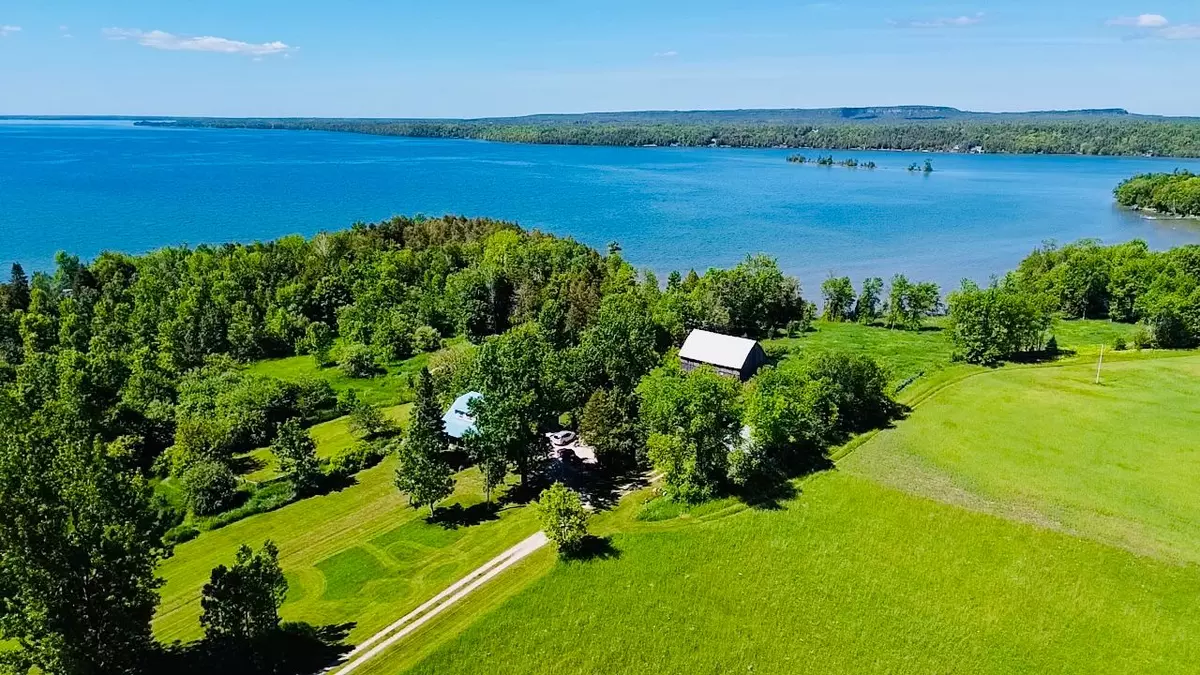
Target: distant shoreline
[[1103, 136]]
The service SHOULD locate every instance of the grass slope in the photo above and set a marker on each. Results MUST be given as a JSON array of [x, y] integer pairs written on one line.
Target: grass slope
[[360, 555], [388, 388], [1118, 462], [330, 437], [850, 577]]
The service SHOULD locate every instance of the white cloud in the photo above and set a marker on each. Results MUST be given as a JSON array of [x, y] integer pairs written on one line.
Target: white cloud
[[5, 31], [1184, 31], [949, 21], [1140, 21], [158, 39], [666, 55], [1157, 25]]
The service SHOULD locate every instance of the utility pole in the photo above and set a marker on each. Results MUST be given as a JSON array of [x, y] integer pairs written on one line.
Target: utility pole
[[1099, 364]]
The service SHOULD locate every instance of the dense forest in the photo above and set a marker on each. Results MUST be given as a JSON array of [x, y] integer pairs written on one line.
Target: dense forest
[[1084, 135], [1175, 194], [121, 374]]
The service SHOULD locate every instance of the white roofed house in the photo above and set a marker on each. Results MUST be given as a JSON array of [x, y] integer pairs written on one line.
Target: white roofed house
[[728, 355]]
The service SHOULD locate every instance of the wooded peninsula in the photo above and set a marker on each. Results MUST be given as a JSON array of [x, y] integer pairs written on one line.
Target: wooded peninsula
[[919, 128], [1176, 194]]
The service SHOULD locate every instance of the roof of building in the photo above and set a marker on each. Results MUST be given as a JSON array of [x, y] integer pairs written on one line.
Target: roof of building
[[719, 350], [458, 418]]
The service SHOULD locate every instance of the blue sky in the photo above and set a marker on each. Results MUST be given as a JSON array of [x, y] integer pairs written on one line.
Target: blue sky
[[476, 58]]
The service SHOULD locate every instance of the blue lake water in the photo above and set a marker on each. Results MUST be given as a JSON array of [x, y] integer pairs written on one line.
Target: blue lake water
[[89, 187]]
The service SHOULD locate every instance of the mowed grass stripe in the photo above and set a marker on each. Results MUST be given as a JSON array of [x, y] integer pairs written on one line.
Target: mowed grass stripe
[[1117, 462], [327, 538], [849, 577]]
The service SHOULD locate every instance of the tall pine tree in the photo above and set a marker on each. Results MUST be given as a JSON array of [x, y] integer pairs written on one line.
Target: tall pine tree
[[423, 471], [18, 289]]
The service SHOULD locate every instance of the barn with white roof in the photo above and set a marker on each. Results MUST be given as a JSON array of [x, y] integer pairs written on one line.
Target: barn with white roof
[[728, 355]]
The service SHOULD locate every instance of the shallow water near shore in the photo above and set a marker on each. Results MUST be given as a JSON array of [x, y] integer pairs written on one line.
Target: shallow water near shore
[[86, 187]]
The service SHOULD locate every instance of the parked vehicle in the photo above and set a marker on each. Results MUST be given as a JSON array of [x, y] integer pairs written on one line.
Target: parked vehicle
[[562, 438]]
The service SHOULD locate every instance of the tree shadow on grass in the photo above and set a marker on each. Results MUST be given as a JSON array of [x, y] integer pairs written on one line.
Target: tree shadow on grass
[[523, 493], [1043, 356], [293, 649], [595, 548], [767, 493], [246, 464], [601, 489], [455, 516]]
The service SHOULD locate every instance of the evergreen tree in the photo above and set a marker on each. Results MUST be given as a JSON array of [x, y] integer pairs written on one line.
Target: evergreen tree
[[423, 471], [18, 289]]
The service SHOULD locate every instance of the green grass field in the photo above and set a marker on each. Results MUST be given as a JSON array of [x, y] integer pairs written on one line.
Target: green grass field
[[849, 577], [907, 354], [330, 437], [361, 555], [1076, 552], [1119, 462], [388, 388]]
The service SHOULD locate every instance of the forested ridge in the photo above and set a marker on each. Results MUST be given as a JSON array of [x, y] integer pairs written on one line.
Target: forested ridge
[[125, 373], [1083, 135], [1175, 193]]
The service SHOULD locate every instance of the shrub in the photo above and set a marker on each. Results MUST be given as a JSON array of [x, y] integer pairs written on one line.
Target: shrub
[[268, 497], [426, 339], [1119, 344], [315, 399], [1142, 339], [347, 401], [369, 420], [563, 518], [208, 487], [180, 534], [350, 460], [749, 463], [359, 360]]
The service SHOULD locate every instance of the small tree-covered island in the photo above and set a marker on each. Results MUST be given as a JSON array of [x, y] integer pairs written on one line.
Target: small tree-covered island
[[251, 458]]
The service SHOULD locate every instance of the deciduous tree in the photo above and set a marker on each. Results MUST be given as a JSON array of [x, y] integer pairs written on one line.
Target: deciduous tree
[[563, 518], [240, 604]]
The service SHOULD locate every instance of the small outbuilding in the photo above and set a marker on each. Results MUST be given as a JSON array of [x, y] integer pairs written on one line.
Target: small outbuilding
[[458, 418], [728, 355]]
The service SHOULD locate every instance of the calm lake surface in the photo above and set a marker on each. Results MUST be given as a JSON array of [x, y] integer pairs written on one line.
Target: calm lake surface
[[94, 186]]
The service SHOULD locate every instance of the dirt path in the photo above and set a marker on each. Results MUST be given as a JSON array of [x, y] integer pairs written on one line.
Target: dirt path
[[379, 642]]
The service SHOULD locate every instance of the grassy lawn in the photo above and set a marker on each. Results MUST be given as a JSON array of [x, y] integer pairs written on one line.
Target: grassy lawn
[[876, 567], [330, 437], [360, 555], [387, 389], [1086, 336], [904, 353], [851, 576], [1118, 462], [907, 354]]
